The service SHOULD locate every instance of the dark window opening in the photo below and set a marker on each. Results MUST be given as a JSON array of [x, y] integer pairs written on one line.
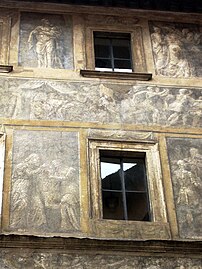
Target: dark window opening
[[112, 52], [124, 186]]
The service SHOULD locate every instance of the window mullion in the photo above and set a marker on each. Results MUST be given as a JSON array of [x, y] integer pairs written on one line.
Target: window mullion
[[112, 54], [123, 190]]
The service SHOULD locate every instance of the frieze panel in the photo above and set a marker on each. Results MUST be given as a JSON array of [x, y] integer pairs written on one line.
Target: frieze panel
[[110, 20], [28, 259], [185, 157], [177, 49], [45, 41], [104, 103], [45, 182]]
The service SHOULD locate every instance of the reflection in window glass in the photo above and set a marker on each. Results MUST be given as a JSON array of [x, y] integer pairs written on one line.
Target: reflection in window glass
[[112, 51], [124, 187]]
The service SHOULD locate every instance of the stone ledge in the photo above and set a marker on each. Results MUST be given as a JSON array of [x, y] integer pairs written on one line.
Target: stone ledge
[[151, 247], [116, 75]]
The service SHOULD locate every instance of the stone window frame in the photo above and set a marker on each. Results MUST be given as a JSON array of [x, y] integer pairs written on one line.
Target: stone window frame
[[2, 160], [137, 53], [159, 227]]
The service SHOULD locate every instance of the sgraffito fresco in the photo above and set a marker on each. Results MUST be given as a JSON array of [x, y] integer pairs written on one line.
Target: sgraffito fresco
[[45, 182], [45, 41], [28, 259], [185, 157], [177, 49], [98, 102]]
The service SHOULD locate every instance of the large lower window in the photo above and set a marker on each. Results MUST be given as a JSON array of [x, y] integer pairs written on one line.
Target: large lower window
[[124, 186], [126, 191], [112, 52]]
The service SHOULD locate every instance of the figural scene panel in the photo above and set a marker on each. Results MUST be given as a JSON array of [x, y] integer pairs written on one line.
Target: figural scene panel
[[45, 41], [27, 259], [185, 157], [176, 49], [100, 102], [45, 182]]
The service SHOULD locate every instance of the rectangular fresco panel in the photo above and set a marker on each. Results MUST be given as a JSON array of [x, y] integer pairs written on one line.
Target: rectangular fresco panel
[[45, 41], [45, 182], [185, 156], [27, 259], [177, 49], [100, 102]]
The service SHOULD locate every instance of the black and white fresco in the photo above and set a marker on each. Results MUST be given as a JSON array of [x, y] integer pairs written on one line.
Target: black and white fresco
[[100, 102], [28, 259], [45, 41], [45, 182], [177, 49], [185, 156]]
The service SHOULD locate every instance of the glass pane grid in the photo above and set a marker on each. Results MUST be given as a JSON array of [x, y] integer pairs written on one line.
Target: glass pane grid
[[113, 52], [124, 189]]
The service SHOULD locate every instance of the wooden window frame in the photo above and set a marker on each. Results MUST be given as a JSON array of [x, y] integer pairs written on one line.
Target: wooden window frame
[[158, 228], [137, 48]]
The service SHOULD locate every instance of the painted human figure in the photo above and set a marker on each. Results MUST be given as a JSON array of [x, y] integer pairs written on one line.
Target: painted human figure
[[159, 48], [44, 39], [28, 209], [177, 65], [178, 108]]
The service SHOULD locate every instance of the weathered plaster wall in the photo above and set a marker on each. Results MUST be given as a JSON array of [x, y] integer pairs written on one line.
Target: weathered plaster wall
[[47, 260], [100, 102], [45, 41], [185, 157], [45, 182], [48, 112]]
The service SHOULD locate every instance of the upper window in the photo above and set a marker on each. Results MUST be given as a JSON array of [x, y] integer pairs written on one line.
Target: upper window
[[112, 52], [124, 186]]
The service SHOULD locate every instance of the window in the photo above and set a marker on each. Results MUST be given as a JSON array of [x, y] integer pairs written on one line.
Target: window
[[112, 52], [124, 186], [126, 191]]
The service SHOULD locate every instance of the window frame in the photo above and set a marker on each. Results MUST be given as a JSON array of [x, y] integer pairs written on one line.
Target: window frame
[[137, 48], [158, 227], [109, 38], [120, 159]]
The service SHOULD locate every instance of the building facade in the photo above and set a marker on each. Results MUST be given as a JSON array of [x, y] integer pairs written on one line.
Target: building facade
[[100, 139]]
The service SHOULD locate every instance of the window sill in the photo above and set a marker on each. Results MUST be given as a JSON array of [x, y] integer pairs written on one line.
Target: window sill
[[116, 75]]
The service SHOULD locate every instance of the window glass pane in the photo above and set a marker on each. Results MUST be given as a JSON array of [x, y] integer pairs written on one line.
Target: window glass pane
[[134, 175], [138, 206], [124, 185], [121, 48], [112, 205], [102, 48], [110, 174], [103, 63], [122, 64]]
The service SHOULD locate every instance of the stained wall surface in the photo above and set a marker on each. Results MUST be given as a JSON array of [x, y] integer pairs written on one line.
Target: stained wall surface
[[49, 113]]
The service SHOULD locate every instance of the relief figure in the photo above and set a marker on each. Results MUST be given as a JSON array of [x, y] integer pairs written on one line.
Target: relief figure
[[44, 40]]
